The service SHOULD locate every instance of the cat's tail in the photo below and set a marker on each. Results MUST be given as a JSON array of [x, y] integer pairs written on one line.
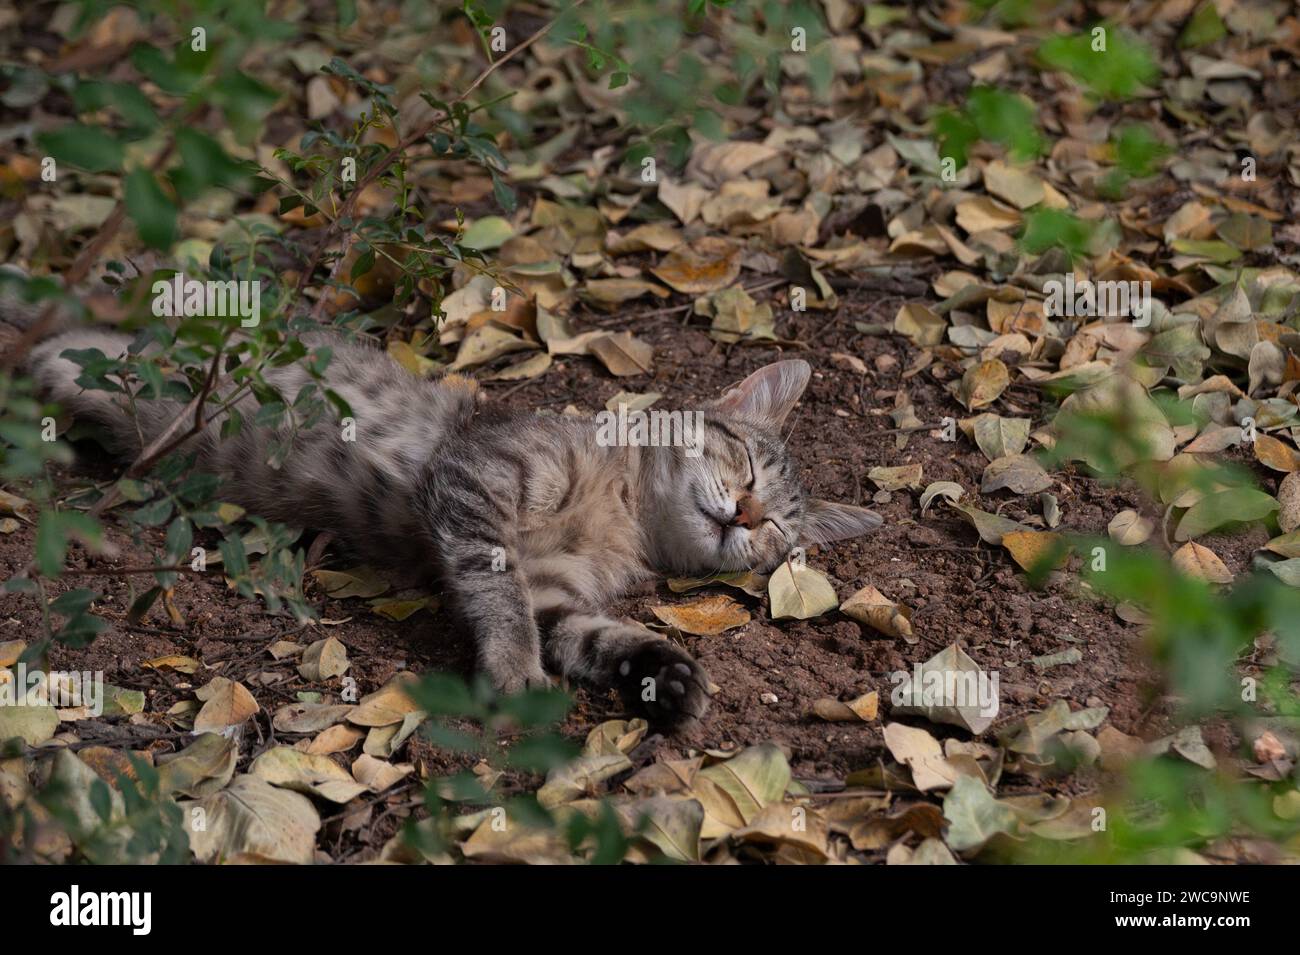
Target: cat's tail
[[57, 378]]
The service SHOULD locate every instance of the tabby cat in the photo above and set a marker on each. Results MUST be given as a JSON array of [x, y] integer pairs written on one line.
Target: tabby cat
[[529, 521]]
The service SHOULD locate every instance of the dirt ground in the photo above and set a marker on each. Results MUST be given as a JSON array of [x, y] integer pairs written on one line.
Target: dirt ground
[[961, 591]]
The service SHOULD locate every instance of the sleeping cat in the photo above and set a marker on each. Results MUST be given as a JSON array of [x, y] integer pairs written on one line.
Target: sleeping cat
[[529, 521]]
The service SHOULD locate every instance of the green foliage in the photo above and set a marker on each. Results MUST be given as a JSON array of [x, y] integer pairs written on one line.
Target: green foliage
[[1204, 27], [992, 115], [511, 734], [1116, 72], [1138, 154], [1055, 228], [133, 822]]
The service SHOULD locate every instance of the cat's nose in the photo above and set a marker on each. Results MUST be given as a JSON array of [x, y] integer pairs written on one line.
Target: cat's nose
[[749, 512]]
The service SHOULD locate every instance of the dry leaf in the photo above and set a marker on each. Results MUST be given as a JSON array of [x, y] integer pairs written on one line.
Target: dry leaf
[[707, 616], [798, 591], [877, 611], [708, 265], [983, 383], [1129, 528], [863, 709], [226, 704], [1031, 548], [1197, 561]]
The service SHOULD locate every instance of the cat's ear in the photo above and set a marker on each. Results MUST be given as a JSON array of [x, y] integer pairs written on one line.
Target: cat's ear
[[768, 394], [826, 521]]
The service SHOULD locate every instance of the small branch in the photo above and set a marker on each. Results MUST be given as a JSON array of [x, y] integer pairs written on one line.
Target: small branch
[[125, 571], [168, 440]]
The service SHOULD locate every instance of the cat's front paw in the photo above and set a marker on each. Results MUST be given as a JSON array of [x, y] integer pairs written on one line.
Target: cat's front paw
[[663, 683], [515, 676]]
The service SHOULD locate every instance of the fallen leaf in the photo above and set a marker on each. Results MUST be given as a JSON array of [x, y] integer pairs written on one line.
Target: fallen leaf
[[991, 527], [227, 704], [983, 383], [357, 582], [1033, 549], [798, 591], [1018, 473], [253, 821], [622, 353], [941, 691], [377, 775], [389, 704], [709, 264], [707, 616], [974, 817], [306, 773], [873, 608], [324, 660], [921, 753], [1196, 561], [896, 478], [1129, 528], [1275, 454], [861, 710], [999, 437], [949, 490]]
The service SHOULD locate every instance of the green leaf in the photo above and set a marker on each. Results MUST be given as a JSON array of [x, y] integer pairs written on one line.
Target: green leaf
[[52, 533], [1051, 228], [153, 213], [87, 147], [1242, 504], [1204, 27], [204, 163], [1116, 72], [72, 602], [127, 99]]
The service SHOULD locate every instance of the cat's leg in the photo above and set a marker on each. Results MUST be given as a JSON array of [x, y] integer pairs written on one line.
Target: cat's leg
[[653, 676], [476, 555], [494, 605]]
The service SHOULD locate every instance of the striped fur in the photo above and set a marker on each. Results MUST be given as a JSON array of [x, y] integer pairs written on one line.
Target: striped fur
[[530, 524]]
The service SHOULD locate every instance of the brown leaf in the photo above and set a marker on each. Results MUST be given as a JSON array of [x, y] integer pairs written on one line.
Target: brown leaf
[[983, 383], [226, 704], [877, 611], [1031, 548], [1195, 560], [983, 213], [704, 617], [1018, 473], [1288, 496], [622, 353], [1276, 454], [863, 709], [1129, 528], [709, 264], [919, 323]]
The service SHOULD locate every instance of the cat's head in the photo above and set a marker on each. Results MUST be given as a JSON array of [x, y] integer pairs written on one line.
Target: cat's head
[[733, 501]]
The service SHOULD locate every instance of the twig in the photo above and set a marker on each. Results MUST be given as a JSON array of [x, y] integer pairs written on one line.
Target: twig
[[125, 571], [167, 440]]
